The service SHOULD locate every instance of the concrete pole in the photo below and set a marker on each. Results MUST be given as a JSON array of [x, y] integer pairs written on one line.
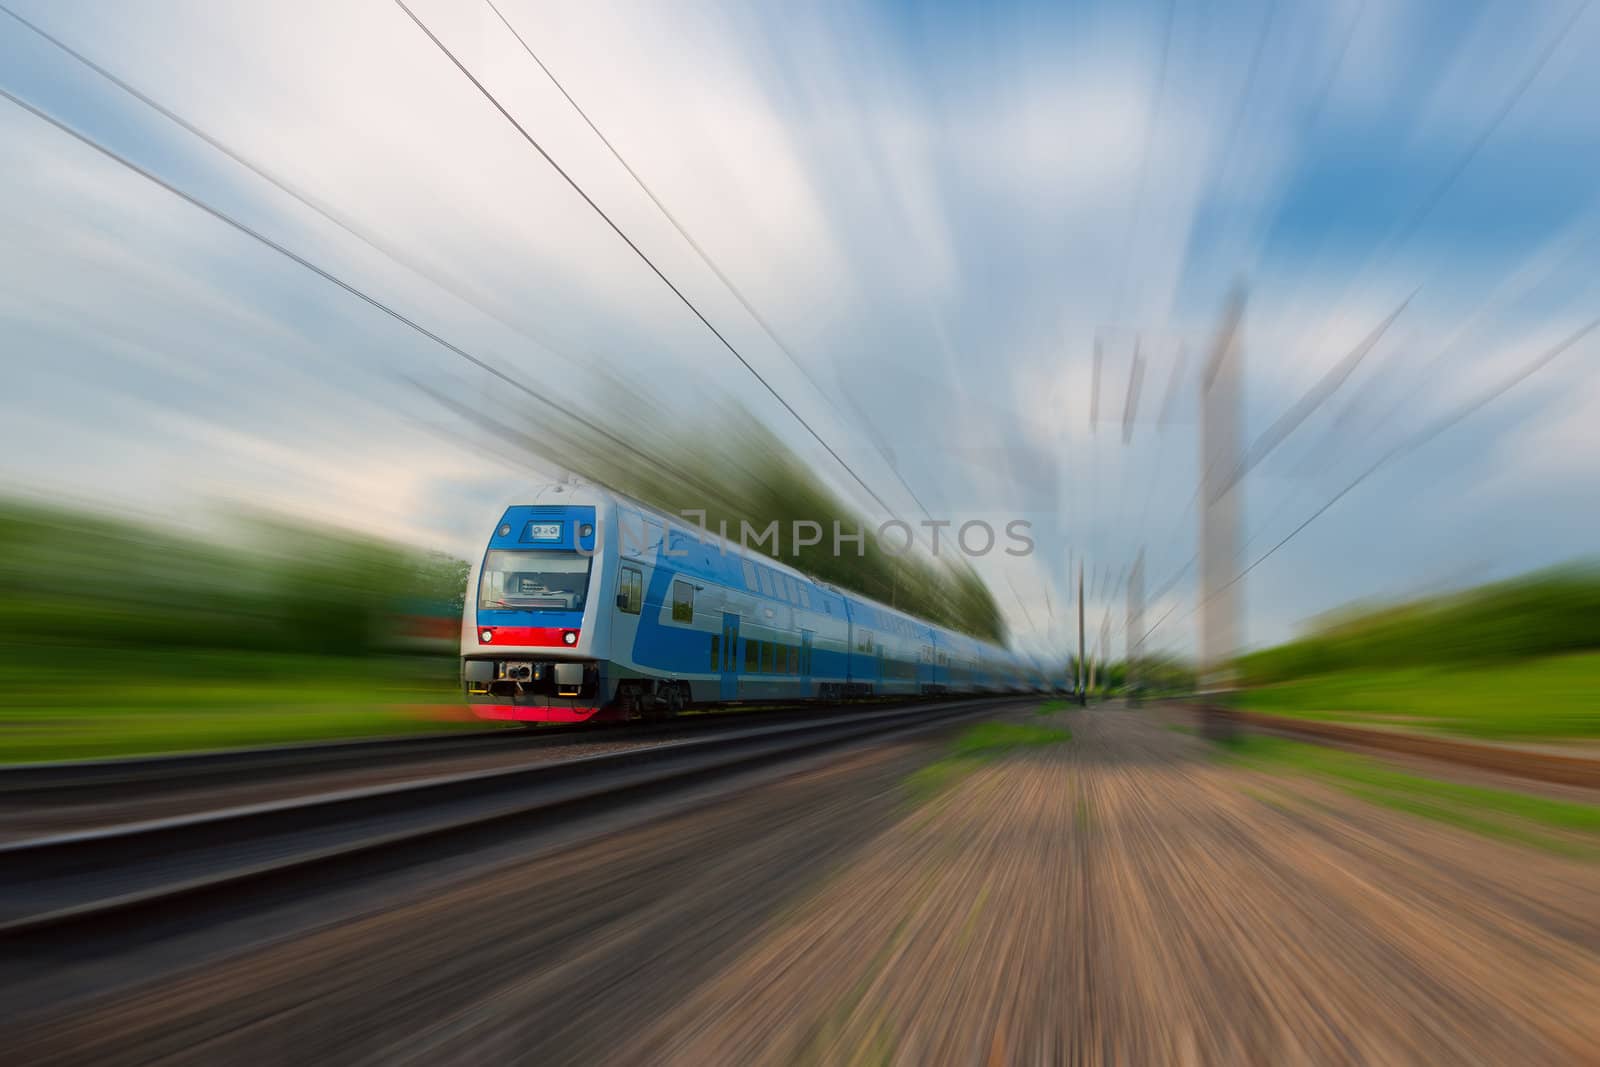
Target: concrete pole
[[1220, 513], [1083, 689], [1103, 660], [1132, 641]]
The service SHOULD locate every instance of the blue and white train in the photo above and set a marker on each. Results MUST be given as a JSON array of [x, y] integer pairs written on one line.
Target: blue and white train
[[588, 605]]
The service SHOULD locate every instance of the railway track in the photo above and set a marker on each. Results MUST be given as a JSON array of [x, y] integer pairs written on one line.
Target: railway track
[[119, 779], [1550, 767], [85, 780], [73, 884]]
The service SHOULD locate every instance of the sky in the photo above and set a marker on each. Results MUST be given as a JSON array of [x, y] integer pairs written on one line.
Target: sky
[[942, 211]]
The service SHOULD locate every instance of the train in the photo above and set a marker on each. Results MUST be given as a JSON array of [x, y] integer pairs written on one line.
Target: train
[[587, 605]]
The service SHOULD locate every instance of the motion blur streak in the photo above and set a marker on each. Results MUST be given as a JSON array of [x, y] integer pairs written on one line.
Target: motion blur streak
[[343, 721]]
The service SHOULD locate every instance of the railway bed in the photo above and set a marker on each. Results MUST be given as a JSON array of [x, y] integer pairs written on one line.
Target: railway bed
[[91, 892], [53, 798]]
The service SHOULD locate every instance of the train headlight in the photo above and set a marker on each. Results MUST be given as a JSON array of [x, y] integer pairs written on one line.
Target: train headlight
[[586, 530], [486, 636], [570, 637], [505, 530]]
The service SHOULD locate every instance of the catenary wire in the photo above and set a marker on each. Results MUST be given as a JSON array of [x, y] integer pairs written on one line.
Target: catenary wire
[[534, 143]]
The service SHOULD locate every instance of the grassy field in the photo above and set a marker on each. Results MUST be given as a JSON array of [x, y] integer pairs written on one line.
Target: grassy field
[[1549, 698], [131, 706], [976, 745], [1556, 825]]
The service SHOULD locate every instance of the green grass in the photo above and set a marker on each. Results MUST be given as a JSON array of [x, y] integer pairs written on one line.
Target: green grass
[[1051, 707], [976, 745], [996, 738], [1556, 697], [1496, 813], [130, 706]]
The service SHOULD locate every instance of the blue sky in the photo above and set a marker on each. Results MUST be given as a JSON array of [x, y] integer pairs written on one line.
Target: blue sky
[[940, 208]]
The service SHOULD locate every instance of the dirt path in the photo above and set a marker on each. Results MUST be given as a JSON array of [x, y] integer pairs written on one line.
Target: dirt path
[[1119, 899], [1124, 899]]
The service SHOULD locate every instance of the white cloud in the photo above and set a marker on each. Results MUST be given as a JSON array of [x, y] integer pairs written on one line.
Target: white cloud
[[945, 232]]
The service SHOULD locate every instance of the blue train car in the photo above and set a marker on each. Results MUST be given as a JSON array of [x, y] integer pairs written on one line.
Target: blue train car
[[588, 605]]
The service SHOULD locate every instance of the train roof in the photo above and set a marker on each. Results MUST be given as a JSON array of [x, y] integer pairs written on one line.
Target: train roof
[[584, 492]]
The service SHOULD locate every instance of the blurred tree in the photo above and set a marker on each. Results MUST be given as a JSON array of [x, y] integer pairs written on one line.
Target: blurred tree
[[72, 580], [1545, 613], [737, 471]]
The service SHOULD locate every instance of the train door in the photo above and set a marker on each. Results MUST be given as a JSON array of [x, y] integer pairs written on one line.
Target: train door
[[805, 661], [730, 656]]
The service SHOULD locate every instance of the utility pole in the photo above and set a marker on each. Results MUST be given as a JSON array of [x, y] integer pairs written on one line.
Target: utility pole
[[1092, 665], [1102, 661], [1220, 526], [1134, 638], [1083, 690]]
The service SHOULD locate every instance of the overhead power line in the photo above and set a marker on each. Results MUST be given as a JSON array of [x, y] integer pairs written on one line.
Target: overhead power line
[[1404, 230], [329, 276], [618, 230], [1311, 400], [1409, 445], [699, 250], [1286, 424], [377, 245], [1529, 76]]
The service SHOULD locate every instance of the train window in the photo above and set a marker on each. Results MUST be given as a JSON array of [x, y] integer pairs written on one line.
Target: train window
[[752, 661], [792, 589], [682, 602], [533, 580], [766, 657], [805, 597], [630, 590], [766, 583], [751, 581], [716, 651], [794, 660]]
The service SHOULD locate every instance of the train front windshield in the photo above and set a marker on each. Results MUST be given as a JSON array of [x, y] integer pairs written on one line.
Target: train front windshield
[[534, 581]]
